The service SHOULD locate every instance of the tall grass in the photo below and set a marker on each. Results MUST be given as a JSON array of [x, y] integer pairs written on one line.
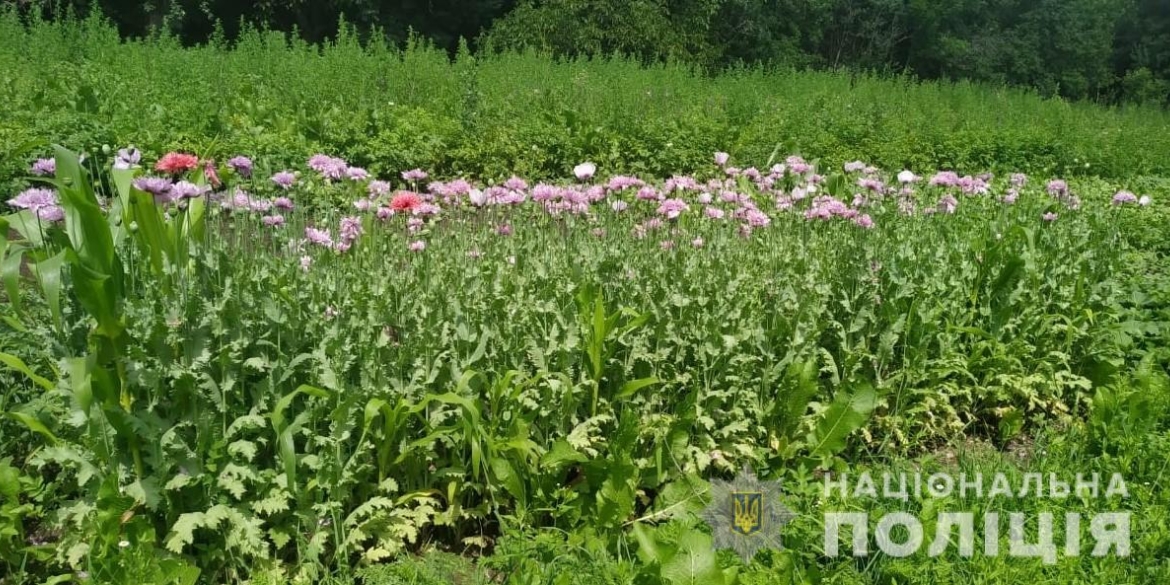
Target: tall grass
[[391, 108]]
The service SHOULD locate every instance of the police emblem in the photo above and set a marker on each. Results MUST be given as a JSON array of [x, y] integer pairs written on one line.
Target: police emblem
[[746, 512], [746, 515]]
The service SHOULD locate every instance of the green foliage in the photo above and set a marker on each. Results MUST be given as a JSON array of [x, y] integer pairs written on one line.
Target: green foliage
[[433, 568], [1107, 50], [229, 415], [185, 402], [492, 116], [681, 559], [648, 30]]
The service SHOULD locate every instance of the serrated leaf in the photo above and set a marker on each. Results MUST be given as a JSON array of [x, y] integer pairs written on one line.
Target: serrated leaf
[[256, 363], [242, 448], [179, 481], [276, 502], [145, 492], [76, 553], [183, 532]]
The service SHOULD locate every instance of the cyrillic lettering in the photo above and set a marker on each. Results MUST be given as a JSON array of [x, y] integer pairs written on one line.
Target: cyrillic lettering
[[1029, 478], [841, 484], [1109, 530], [1000, 487], [1072, 534], [1116, 486], [977, 485], [1058, 489], [942, 534], [1092, 488], [991, 533], [940, 485], [887, 525], [865, 487], [860, 524], [1043, 547], [889, 493]]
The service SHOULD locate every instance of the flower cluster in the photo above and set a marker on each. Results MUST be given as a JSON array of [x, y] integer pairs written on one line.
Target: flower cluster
[[1128, 198], [44, 167], [733, 196], [1060, 191], [284, 179], [42, 202], [242, 165], [349, 231], [329, 167]]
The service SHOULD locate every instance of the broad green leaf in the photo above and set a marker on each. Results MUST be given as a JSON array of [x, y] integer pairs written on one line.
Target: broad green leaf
[[506, 475], [597, 336], [35, 425], [48, 273], [145, 491], [846, 414], [286, 448], [84, 222], [373, 407], [25, 223], [648, 548], [629, 388], [10, 274], [99, 294], [18, 364], [560, 454], [615, 499], [80, 383], [682, 496], [9, 480], [480, 349], [277, 415], [801, 388], [14, 323], [694, 562], [151, 233], [178, 572], [195, 221], [123, 180], [837, 185], [76, 553]]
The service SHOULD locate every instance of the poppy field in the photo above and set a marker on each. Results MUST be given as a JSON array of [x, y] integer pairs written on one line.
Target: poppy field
[[382, 343], [225, 373]]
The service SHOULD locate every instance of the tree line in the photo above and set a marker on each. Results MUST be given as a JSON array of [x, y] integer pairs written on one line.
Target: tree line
[[1111, 51]]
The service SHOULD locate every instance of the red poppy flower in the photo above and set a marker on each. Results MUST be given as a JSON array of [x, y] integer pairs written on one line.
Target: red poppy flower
[[405, 201], [177, 162]]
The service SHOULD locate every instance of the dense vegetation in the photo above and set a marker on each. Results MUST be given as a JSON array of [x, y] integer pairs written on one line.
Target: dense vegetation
[[1107, 50], [377, 321], [279, 100]]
